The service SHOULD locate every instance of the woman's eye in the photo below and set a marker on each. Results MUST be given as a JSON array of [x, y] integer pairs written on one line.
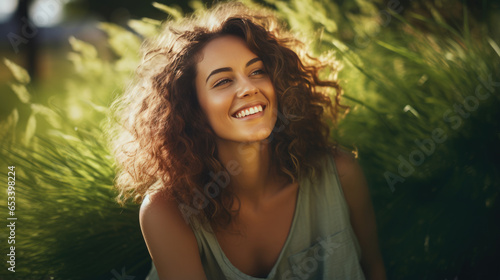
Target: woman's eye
[[221, 82], [257, 72]]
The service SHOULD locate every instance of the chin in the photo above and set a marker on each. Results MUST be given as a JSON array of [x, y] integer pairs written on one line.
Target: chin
[[258, 136]]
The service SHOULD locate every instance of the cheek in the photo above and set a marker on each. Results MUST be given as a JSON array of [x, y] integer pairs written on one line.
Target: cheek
[[269, 88], [216, 107], [273, 98]]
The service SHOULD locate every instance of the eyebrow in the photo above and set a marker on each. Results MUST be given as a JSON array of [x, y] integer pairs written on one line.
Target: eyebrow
[[227, 69]]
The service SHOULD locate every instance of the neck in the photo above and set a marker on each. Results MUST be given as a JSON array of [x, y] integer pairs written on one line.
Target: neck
[[253, 175]]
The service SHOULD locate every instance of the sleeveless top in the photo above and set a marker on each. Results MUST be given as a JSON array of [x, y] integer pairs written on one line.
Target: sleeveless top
[[321, 243]]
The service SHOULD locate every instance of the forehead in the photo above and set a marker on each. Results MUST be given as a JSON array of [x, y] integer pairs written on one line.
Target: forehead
[[223, 51]]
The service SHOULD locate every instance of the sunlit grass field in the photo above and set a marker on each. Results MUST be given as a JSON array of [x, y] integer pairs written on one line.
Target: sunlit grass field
[[423, 89]]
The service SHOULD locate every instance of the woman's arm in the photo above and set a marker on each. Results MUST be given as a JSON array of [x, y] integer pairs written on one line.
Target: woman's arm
[[362, 215], [170, 241]]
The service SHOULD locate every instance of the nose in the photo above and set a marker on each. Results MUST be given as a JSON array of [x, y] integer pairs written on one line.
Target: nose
[[247, 88]]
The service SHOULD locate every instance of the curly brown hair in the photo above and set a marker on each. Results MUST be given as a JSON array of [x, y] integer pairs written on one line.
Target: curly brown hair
[[164, 142]]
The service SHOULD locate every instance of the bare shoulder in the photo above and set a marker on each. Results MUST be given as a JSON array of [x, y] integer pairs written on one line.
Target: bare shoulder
[[348, 168], [170, 240], [353, 183], [158, 208], [357, 196]]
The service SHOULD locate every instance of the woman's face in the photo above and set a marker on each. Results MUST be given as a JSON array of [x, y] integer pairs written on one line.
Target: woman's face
[[235, 92]]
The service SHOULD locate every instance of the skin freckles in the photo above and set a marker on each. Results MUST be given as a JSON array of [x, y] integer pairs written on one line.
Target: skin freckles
[[230, 80]]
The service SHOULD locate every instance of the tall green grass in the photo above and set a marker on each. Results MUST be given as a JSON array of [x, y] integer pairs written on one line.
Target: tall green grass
[[69, 225]]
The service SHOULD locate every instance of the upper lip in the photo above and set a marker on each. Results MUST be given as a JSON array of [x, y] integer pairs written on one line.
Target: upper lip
[[249, 105]]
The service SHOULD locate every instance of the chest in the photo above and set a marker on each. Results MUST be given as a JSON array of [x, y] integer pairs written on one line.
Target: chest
[[255, 241]]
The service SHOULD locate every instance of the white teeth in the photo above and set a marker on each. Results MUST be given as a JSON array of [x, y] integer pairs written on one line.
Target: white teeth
[[249, 111]]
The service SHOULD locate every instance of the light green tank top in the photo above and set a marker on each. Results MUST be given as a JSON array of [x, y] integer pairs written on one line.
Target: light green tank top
[[320, 245]]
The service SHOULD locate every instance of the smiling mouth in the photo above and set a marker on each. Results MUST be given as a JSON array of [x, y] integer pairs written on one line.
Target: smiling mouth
[[249, 111]]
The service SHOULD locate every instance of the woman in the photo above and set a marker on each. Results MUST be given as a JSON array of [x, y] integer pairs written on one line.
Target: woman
[[226, 143]]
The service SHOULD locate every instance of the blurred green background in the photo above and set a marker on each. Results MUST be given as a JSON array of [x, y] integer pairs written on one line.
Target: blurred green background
[[422, 79]]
